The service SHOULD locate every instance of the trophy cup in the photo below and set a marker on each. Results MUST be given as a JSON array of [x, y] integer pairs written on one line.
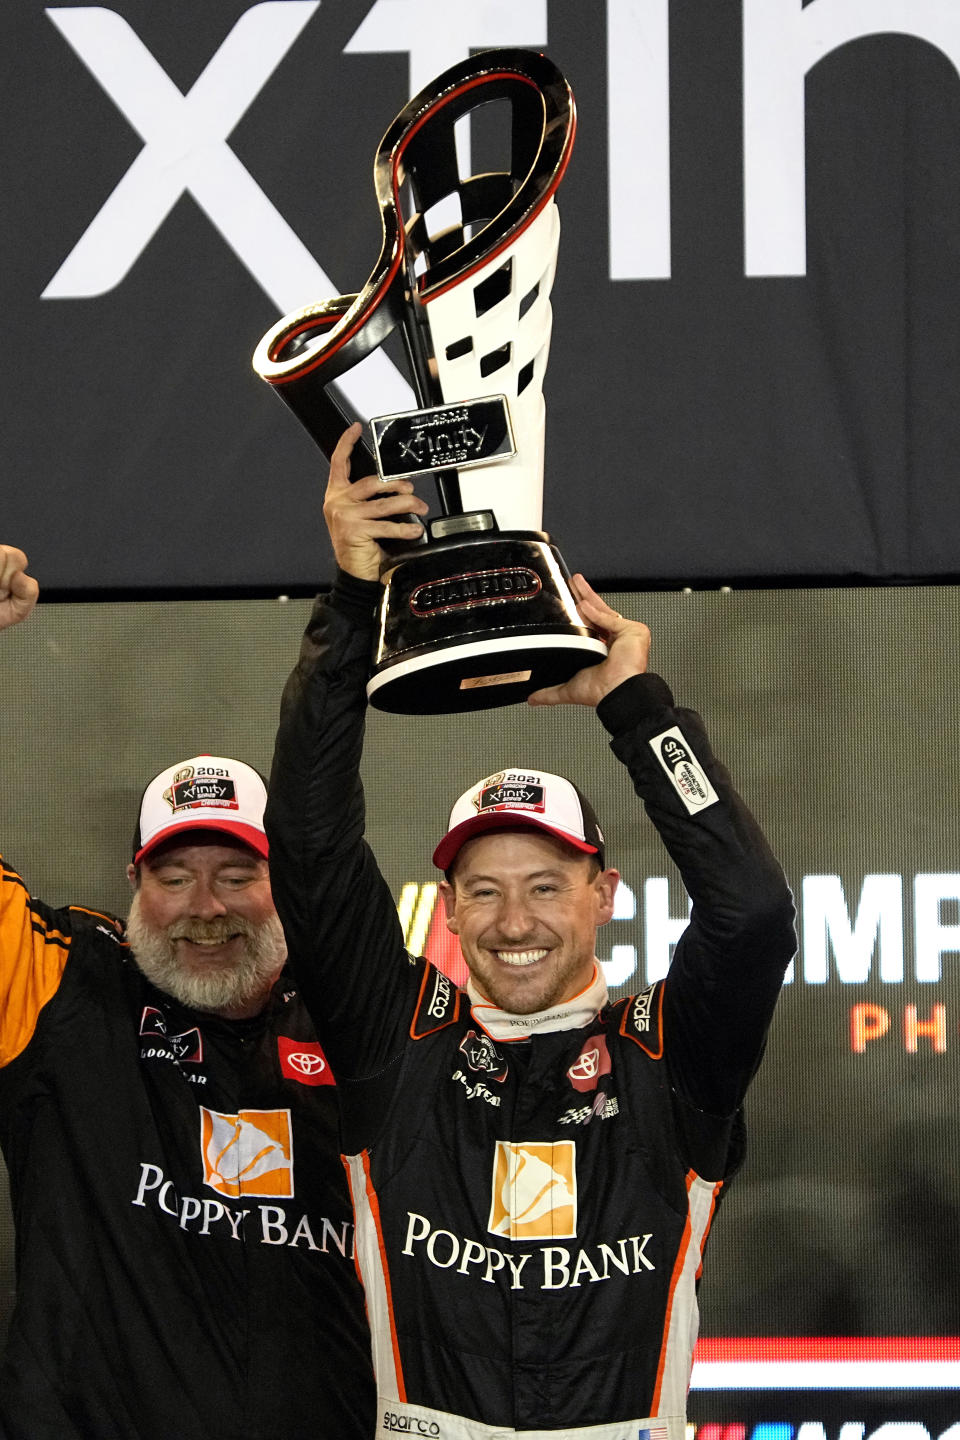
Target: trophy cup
[[479, 614]]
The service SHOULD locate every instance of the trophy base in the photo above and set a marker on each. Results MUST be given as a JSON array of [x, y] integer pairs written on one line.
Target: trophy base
[[481, 674], [477, 622]]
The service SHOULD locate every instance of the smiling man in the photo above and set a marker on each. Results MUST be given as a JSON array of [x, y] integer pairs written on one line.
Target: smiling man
[[184, 1240], [526, 890], [534, 1170], [202, 925]]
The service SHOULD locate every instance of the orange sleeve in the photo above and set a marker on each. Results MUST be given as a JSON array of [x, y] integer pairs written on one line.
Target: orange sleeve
[[33, 953]]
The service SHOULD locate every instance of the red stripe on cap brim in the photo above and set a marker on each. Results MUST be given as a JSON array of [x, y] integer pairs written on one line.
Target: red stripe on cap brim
[[253, 838], [446, 852]]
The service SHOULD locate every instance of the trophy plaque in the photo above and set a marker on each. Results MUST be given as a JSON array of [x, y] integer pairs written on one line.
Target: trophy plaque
[[480, 614]]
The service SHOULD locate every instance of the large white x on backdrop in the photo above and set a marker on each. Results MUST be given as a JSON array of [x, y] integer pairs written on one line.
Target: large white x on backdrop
[[754, 355], [753, 380]]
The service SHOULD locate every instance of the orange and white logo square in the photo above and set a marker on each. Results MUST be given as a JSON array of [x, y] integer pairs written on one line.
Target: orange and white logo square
[[534, 1190], [247, 1154]]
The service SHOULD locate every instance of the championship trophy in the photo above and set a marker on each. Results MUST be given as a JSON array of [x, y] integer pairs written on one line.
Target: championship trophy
[[480, 613]]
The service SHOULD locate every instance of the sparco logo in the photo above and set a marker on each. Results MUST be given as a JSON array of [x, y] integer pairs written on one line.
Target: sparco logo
[[409, 1424], [477, 587], [641, 1011], [441, 997]]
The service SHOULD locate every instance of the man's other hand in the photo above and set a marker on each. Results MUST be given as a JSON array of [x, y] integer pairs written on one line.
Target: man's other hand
[[628, 644], [18, 590]]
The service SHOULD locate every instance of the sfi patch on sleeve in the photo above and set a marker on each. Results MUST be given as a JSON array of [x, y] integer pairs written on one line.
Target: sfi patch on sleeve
[[683, 770]]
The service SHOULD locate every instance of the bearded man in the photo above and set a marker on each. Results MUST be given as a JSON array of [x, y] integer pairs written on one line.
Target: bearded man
[[184, 1245]]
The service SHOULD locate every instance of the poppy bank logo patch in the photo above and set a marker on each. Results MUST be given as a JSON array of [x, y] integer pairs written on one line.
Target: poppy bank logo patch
[[250, 1153], [534, 1190]]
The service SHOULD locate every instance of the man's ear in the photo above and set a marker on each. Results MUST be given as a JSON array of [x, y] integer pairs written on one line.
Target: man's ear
[[449, 898], [605, 886], [133, 875]]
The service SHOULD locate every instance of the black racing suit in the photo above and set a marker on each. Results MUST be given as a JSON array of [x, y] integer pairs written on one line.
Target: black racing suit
[[530, 1215], [184, 1242]]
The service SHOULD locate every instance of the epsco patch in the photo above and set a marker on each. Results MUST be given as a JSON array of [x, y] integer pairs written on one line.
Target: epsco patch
[[684, 772]]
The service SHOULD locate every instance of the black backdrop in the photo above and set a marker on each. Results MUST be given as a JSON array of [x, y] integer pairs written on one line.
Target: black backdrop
[[733, 403]]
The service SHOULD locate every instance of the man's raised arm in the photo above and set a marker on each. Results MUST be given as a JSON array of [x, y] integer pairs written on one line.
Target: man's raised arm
[[728, 965], [337, 911]]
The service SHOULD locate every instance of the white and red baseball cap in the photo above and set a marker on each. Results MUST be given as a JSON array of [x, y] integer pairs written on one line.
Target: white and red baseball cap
[[208, 792], [517, 798]]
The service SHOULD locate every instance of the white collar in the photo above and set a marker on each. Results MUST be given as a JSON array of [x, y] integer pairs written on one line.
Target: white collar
[[571, 1014]]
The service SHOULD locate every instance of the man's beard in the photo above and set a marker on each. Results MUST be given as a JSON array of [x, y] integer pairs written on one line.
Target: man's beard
[[223, 986]]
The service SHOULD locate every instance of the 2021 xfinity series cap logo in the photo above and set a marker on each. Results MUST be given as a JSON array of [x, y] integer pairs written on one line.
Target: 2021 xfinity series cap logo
[[683, 770], [250, 1153], [534, 1190], [511, 789], [201, 786]]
